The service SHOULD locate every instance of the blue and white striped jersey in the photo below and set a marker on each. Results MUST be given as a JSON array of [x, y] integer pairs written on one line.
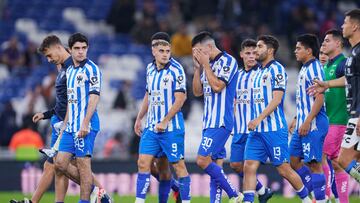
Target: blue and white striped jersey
[[268, 79], [219, 107], [310, 71], [243, 99], [81, 82], [161, 86]]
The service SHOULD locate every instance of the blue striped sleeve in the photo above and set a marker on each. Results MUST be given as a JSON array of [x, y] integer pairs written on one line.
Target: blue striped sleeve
[[94, 77], [228, 70], [278, 77], [179, 77]]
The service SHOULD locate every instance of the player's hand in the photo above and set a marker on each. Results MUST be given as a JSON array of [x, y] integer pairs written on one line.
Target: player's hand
[[358, 127], [253, 124], [304, 129], [137, 127], [292, 126], [37, 117], [160, 127], [84, 130], [196, 63], [318, 87], [200, 56]]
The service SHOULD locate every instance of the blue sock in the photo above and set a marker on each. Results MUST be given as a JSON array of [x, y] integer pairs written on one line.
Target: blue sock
[[303, 192], [142, 185], [249, 196], [217, 173], [59, 202], [215, 191], [184, 189], [333, 182], [164, 190], [319, 184], [258, 185], [305, 175], [84, 201], [174, 185]]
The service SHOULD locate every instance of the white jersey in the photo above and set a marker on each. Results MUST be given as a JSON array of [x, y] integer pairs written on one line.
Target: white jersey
[[243, 100], [270, 78]]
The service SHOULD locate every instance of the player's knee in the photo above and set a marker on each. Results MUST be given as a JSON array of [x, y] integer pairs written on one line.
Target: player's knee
[[60, 166], [48, 167], [315, 167], [202, 162], [249, 168], [236, 166], [143, 165]]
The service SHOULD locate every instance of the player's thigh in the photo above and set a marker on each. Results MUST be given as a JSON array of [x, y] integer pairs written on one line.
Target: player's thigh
[[238, 148], [172, 144], [277, 146], [67, 143], [333, 140], [213, 141], [351, 140], [84, 146], [295, 146], [346, 156], [255, 149], [149, 144], [62, 160], [312, 145]]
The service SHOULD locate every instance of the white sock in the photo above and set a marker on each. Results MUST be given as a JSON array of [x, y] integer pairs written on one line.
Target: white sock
[[306, 200], [139, 200], [261, 191], [185, 201], [321, 201]]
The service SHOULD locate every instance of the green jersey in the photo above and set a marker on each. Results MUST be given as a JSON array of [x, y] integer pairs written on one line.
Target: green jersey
[[335, 98]]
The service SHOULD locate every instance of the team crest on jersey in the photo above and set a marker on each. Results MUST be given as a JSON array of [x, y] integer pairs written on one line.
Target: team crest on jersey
[[166, 79], [264, 78], [80, 79]]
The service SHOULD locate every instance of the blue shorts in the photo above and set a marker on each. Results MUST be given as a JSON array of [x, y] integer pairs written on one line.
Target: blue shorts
[[309, 147], [156, 144], [238, 147], [80, 147], [219, 155], [213, 141], [272, 145]]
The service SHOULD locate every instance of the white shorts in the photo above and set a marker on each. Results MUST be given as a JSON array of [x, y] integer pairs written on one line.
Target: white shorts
[[351, 139]]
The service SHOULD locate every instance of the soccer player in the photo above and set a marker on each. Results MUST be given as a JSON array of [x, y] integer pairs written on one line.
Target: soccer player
[[214, 78], [83, 93], [164, 97], [311, 122], [243, 114], [56, 53], [269, 138], [349, 153], [336, 111]]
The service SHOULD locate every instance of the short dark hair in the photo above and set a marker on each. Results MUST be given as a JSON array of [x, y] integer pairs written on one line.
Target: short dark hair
[[336, 34], [162, 36], [270, 41], [77, 37], [48, 42], [354, 15], [310, 41], [201, 37], [248, 43]]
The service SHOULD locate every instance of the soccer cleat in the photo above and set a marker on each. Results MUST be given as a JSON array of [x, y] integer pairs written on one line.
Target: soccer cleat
[[26, 200], [99, 195], [237, 199], [48, 152], [266, 196]]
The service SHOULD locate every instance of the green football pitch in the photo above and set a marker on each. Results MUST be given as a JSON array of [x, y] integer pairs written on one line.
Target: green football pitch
[[49, 197]]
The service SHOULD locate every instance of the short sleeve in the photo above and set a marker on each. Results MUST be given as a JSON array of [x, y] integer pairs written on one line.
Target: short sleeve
[[228, 69], [315, 72], [278, 77], [95, 77], [179, 80]]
